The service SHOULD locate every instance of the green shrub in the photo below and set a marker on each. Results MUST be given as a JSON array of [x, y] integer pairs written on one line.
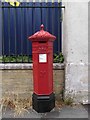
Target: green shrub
[[58, 58], [68, 101]]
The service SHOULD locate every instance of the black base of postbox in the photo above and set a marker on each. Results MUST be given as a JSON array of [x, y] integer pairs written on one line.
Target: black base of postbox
[[43, 103]]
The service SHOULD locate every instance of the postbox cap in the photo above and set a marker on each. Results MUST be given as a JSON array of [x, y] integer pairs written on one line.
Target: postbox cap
[[42, 35]]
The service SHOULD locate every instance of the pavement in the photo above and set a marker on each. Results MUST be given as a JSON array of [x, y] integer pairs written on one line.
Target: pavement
[[78, 111]]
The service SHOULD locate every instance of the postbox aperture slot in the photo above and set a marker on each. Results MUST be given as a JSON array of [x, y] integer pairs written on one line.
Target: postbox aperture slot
[[42, 41]]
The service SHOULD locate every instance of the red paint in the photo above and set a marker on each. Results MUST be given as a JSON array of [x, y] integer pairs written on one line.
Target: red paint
[[42, 43]]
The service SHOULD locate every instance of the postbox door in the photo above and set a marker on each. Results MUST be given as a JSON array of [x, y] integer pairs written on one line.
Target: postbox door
[[43, 68], [45, 80]]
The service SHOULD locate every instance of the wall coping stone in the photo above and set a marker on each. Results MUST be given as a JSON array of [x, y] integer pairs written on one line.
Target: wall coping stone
[[29, 66]]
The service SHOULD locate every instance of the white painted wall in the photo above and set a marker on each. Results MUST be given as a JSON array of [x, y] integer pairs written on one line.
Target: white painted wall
[[75, 48]]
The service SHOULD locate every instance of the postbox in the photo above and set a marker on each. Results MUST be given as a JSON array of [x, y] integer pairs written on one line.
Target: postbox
[[43, 98]]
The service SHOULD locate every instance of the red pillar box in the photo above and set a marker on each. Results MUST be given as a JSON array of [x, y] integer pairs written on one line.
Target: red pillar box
[[43, 99]]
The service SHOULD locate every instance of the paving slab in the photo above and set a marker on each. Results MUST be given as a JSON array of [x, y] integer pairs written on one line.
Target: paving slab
[[64, 112]]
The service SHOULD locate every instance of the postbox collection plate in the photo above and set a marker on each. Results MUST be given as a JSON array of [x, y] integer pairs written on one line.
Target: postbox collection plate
[[42, 58]]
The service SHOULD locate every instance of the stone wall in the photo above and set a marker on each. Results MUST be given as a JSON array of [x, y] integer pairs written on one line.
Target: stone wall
[[75, 48], [20, 82]]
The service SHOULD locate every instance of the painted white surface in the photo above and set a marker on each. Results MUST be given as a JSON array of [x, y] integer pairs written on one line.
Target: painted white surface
[[75, 48]]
